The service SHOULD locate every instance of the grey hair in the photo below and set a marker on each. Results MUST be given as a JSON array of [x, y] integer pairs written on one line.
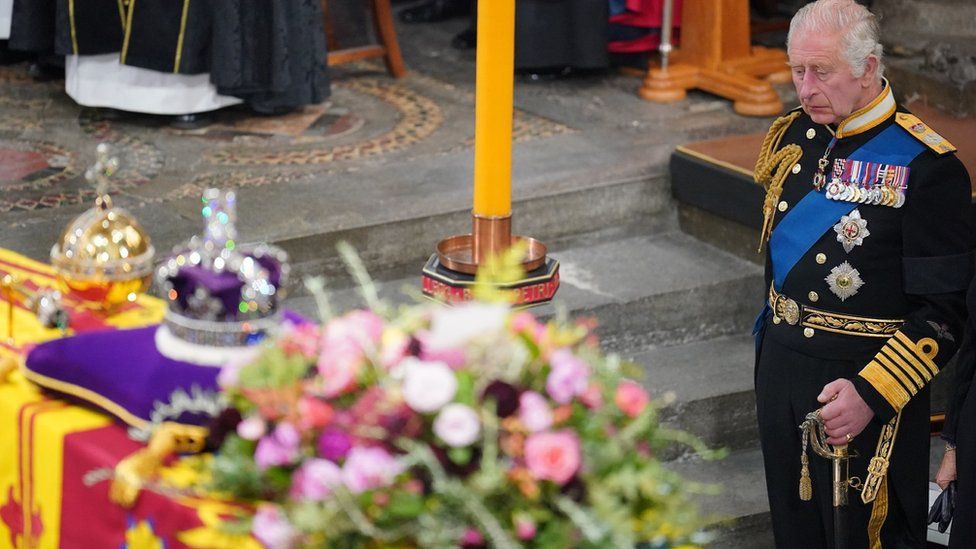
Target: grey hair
[[860, 33]]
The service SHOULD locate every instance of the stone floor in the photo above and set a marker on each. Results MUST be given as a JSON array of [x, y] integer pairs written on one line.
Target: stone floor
[[379, 150]]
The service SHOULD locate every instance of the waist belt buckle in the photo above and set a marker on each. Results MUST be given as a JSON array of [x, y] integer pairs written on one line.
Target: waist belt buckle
[[787, 309]]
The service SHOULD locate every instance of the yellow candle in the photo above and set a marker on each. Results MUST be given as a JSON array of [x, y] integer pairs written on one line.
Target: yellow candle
[[493, 108]]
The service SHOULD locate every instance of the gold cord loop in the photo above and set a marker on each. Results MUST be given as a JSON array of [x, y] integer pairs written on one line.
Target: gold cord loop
[[772, 168]]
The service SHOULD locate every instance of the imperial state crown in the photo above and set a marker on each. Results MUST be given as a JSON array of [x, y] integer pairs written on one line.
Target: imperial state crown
[[223, 297]]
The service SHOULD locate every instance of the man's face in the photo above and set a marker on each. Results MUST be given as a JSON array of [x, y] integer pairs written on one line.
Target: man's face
[[828, 91]]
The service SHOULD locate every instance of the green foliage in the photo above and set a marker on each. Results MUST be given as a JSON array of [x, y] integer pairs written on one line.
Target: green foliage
[[273, 368]]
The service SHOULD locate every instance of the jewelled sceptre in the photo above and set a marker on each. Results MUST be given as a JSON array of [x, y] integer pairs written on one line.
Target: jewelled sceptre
[[45, 303]]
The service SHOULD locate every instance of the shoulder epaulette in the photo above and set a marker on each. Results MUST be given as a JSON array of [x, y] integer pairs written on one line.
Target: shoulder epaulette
[[924, 133]]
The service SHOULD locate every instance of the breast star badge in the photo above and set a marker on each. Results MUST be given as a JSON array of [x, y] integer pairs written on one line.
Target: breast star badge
[[844, 280], [851, 230]]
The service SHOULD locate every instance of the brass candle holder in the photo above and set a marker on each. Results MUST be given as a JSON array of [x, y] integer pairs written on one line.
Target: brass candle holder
[[449, 274]]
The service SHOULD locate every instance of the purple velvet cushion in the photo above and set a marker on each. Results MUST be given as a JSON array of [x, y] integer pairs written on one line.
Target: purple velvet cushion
[[120, 371]]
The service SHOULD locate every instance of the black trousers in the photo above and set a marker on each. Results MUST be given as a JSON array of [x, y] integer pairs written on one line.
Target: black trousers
[[787, 385], [963, 535]]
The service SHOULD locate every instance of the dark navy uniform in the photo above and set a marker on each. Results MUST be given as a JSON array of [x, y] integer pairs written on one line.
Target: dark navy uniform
[[960, 429], [866, 281]]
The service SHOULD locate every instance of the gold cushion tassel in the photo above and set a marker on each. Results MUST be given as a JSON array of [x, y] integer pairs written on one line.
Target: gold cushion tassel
[[135, 470], [876, 484], [772, 168]]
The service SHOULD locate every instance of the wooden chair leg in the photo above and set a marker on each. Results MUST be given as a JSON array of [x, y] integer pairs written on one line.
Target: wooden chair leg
[[383, 21], [331, 42]]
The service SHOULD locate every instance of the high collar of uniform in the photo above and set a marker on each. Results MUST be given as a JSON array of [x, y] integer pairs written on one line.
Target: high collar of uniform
[[877, 111]]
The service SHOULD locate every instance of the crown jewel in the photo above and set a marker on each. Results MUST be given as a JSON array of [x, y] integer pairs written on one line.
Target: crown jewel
[[221, 293]]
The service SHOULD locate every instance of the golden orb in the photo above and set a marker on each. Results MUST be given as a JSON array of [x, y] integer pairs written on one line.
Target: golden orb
[[103, 257]]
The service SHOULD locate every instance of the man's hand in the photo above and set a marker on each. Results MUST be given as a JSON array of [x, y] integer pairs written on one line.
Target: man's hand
[[947, 471], [845, 412]]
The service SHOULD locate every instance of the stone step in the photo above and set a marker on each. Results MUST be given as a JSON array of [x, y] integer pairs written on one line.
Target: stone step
[[739, 514], [395, 211], [646, 289], [712, 382]]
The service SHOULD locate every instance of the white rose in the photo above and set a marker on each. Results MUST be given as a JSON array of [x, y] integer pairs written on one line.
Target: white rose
[[427, 386], [457, 425], [452, 327]]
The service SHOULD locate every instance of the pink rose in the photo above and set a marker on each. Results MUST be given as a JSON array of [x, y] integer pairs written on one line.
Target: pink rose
[[568, 376], [270, 526], [631, 398], [345, 343], [315, 480], [525, 322], [592, 397], [369, 467], [553, 456], [472, 538], [278, 448], [534, 411], [338, 365], [314, 413], [525, 527], [300, 338]]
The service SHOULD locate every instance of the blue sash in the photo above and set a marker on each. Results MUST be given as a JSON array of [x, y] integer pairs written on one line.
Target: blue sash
[[815, 214]]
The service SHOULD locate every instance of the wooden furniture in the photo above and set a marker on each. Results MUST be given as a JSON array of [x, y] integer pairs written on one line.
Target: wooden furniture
[[388, 48], [715, 55]]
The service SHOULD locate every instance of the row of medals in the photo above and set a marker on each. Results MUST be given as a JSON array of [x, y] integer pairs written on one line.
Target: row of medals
[[882, 195], [878, 194]]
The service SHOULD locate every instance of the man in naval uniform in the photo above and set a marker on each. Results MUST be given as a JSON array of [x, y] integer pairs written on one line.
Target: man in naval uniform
[[868, 259]]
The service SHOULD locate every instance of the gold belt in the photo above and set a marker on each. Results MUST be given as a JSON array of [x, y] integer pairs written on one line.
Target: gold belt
[[793, 313]]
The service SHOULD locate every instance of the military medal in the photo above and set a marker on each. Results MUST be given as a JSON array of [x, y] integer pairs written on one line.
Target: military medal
[[844, 280], [851, 230], [864, 182]]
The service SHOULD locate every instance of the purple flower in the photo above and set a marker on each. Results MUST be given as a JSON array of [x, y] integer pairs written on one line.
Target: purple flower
[[278, 448], [271, 528], [568, 378], [334, 444], [315, 480], [368, 468], [534, 412]]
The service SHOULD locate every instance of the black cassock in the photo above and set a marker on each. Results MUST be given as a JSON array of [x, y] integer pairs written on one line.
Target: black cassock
[[270, 53], [67, 27], [561, 33]]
